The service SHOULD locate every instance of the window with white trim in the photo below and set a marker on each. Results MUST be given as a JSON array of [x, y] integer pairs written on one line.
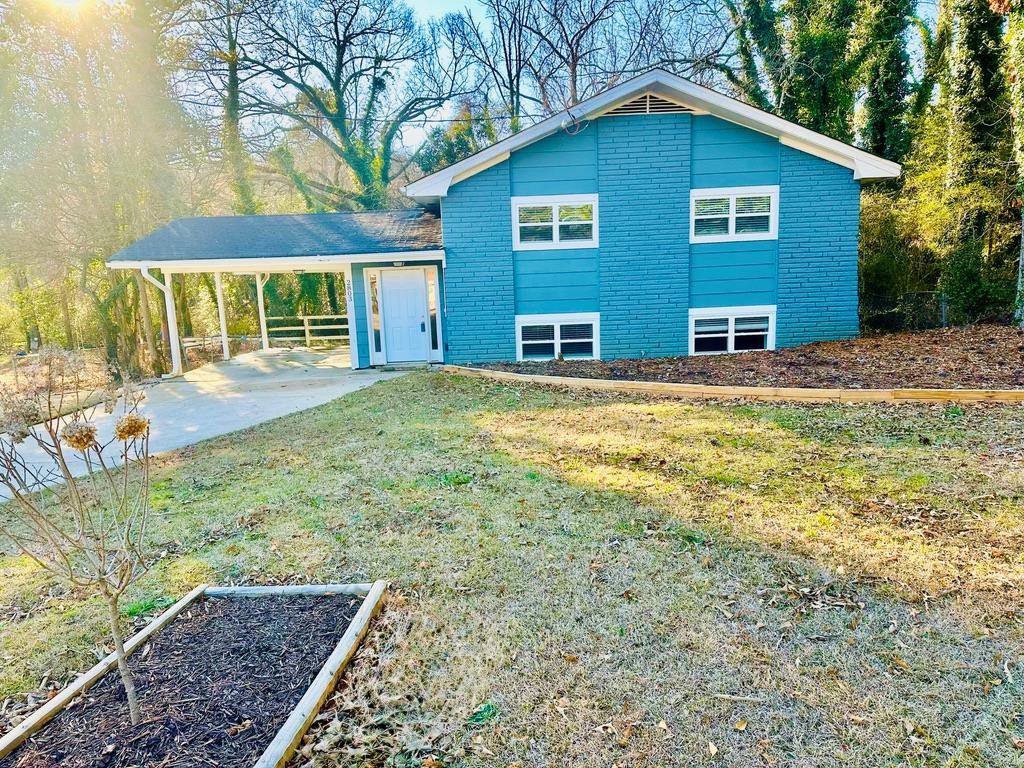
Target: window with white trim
[[547, 337], [734, 213], [732, 329], [559, 221]]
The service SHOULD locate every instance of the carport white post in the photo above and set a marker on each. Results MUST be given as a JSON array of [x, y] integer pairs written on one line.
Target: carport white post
[[261, 280], [350, 309], [174, 342], [219, 285]]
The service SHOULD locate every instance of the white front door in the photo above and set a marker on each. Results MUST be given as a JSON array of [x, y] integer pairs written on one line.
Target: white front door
[[404, 304]]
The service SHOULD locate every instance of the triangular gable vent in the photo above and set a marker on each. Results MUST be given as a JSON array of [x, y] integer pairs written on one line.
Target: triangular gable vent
[[648, 104]]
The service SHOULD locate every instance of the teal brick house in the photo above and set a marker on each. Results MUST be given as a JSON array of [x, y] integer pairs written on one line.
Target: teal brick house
[[657, 218]]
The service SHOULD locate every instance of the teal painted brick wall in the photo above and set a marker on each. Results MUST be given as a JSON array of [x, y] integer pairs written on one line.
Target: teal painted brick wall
[[561, 164], [644, 177], [359, 303], [556, 281], [645, 275], [729, 155], [819, 220], [476, 220]]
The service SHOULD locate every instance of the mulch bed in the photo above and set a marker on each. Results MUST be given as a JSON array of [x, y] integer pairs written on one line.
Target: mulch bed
[[215, 686], [974, 357]]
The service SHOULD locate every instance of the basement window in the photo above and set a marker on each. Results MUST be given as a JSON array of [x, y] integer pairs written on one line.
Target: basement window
[[554, 222], [734, 214], [547, 337], [732, 329]]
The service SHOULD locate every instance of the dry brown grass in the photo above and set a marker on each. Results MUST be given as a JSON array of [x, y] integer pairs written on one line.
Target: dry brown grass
[[596, 581]]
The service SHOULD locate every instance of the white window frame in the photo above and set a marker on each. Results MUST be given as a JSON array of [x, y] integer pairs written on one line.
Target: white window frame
[[730, 314], [554, 201], [558, 320], [732, 193]]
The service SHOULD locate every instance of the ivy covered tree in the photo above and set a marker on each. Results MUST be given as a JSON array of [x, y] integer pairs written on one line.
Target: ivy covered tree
[[799, 59], [973, 94], [1014, 65], [886, 80], [351, 73]]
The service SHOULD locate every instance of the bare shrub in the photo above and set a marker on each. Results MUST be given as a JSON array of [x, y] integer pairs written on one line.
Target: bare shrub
[[89, 530]]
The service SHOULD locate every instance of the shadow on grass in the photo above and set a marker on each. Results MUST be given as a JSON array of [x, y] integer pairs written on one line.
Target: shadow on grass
[[927, 519]]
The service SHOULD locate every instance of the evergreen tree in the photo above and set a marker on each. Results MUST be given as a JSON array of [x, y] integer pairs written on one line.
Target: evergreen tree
[[468, 133]]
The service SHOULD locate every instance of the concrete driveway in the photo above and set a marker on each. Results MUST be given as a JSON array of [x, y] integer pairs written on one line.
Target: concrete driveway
[[228, 396]]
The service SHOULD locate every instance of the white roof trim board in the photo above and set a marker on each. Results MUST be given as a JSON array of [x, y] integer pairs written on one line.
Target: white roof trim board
[[252, 265], [674, 88]]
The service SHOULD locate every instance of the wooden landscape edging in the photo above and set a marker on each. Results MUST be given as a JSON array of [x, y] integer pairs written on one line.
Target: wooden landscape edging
[[790, 394], [287, 739], [14, 738], [290, 734]]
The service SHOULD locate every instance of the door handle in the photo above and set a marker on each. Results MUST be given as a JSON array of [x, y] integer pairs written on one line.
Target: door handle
[[423, 327]]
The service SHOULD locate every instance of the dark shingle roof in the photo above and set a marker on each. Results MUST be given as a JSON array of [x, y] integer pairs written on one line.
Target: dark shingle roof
[[310, 234]]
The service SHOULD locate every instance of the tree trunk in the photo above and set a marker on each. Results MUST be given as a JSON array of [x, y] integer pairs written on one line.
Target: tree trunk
[[65, 313], [180, 293], [165, 335], [1018, 310], [26, 309], [234, 149], [147, 323], [122, 660], [332, 292], [1015, 56]]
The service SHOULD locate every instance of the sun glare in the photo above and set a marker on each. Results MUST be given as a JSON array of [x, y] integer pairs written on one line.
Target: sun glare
[[71, 6]]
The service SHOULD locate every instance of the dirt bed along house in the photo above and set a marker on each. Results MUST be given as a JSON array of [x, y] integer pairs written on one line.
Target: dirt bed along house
[[975, 357]]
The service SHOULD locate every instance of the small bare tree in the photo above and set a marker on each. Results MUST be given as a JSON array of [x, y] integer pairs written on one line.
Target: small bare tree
[[89, 530]]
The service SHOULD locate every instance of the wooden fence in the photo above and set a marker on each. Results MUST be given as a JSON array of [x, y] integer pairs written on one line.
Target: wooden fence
[[308, 329]]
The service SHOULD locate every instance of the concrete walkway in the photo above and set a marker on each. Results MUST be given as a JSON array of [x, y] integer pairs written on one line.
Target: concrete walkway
[[228, 396]]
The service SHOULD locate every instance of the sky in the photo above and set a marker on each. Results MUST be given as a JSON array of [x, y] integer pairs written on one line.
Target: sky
[[427, 8]]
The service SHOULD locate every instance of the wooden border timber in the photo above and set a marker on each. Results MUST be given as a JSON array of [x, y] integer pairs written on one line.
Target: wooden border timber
[[17, 735], [788, 394], [287, 739], [290, 735]]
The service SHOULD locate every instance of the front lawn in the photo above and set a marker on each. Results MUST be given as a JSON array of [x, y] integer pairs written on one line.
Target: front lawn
[[594, 580], [971, 357]]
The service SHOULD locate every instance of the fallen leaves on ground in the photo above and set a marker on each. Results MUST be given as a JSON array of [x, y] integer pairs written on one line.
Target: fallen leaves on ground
[[977, 356]]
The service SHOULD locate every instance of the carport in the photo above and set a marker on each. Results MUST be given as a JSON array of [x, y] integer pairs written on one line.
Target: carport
[[392, 263]]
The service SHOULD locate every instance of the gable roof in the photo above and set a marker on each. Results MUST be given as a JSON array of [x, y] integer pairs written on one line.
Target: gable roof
[[666, 85], [290, 235]]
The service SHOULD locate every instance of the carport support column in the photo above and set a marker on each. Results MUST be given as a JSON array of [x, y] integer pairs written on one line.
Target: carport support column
[[174, 343], [261, 280], [350, 309], [219, 285]]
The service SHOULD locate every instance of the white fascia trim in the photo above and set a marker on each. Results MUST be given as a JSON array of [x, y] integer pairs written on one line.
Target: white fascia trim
[[771, 310], [697, 97], [553, 200], [246, 266], [560, 318], [773, 222]]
